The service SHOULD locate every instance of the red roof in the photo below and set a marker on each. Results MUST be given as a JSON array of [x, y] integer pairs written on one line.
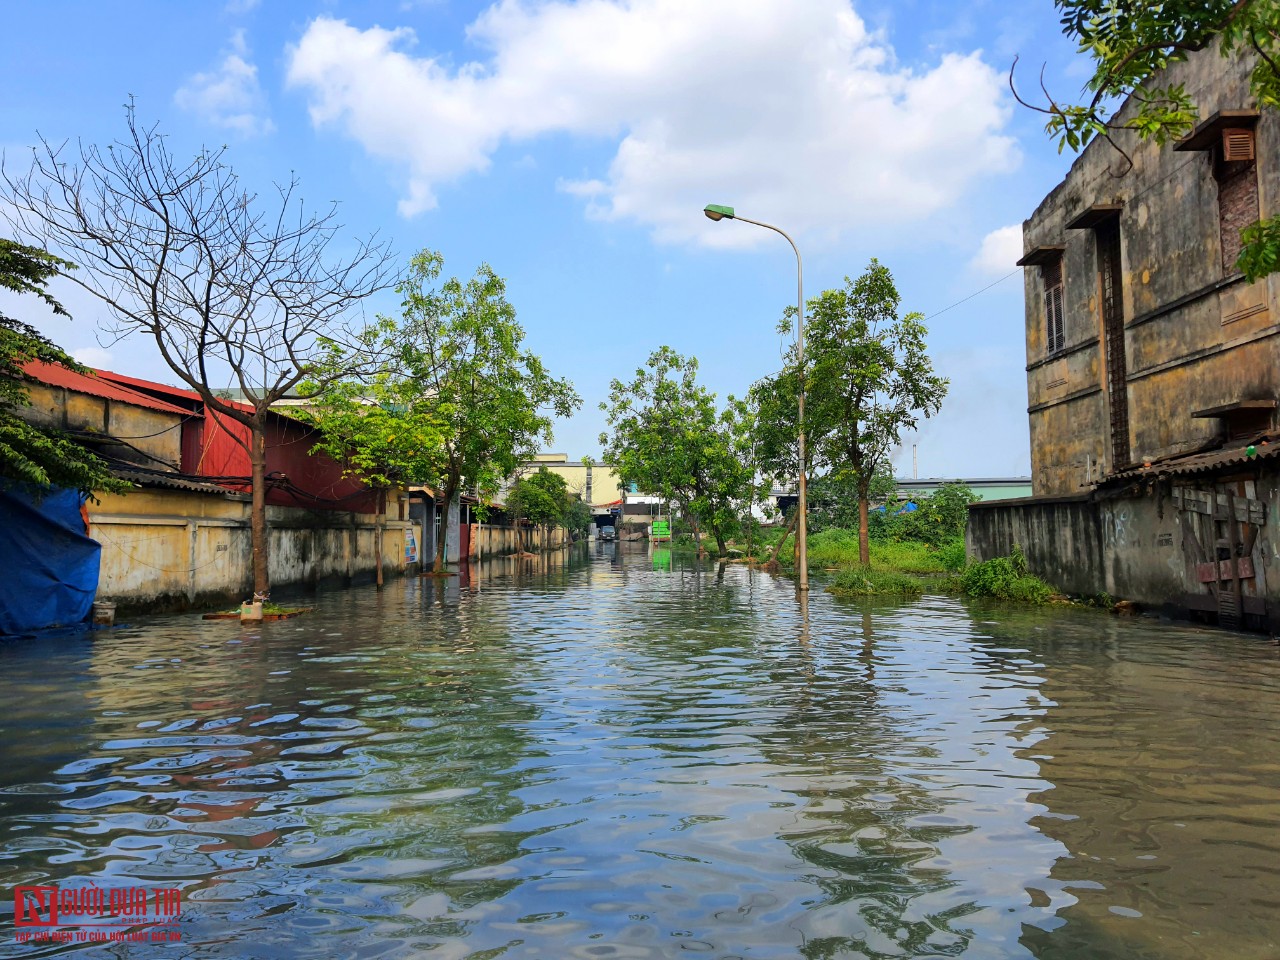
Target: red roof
[[97, 386], [152, 386], [183, 392]]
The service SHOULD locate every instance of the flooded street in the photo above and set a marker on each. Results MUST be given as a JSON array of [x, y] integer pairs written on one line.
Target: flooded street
[[624, 756]]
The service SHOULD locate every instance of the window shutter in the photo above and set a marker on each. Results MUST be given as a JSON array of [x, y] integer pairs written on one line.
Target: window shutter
[[1059, 334], [1054, 331]]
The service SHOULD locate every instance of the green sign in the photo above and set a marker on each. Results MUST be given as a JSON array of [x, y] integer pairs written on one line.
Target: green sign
[[661, 530]]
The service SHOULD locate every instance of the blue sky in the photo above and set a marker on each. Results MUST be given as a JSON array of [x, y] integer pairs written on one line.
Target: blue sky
[[572, 146]]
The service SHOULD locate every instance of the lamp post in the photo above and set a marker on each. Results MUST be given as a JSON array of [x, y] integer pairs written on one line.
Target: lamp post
[[715, 211]]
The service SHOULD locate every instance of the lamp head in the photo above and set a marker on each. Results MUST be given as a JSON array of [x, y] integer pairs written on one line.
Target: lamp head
[[715, 211]]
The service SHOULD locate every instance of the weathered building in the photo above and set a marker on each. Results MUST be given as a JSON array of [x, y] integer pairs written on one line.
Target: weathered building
[[181, 537], [1153, 366]]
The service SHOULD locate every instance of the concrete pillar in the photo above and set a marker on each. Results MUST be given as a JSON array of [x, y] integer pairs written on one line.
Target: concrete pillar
[[453, 536]]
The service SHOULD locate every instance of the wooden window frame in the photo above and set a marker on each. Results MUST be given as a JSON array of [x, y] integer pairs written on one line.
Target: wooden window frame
[[1054, 285]]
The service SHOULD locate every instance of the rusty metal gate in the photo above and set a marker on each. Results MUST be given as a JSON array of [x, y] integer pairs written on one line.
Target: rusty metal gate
[[1220, 527]]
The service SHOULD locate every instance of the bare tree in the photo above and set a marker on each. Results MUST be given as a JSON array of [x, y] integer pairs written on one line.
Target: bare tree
[[228, 285]]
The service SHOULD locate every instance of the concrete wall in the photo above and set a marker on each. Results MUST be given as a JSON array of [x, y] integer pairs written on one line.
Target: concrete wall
[[1196, 335], [1061, 538], [493, 541], [1141, 546], [151, 433], [174, 549]]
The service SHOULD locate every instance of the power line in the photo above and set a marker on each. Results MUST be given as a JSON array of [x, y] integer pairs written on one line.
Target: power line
[[972, 295]]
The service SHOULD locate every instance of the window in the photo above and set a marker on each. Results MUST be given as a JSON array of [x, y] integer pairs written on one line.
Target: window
[[1229, 137], [1054, 330]]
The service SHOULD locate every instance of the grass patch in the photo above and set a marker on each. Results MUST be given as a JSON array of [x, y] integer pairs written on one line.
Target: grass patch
[[838, 548], [1005, 578], [869, 582]]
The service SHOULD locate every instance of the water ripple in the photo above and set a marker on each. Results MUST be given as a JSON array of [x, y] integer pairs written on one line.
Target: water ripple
[[629, 756]]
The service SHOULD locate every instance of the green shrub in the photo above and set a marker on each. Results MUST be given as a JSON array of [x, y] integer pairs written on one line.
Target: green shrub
[[867, 582], [1005, 578], [952, 556], [835, 547]]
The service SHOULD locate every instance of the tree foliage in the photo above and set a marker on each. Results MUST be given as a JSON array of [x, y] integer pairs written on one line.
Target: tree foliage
[[867, 378], [833, 499], [385, 431], [1129, 45], [668, 438], [542, 498], [936, 520], [30, 455], [462, 402]]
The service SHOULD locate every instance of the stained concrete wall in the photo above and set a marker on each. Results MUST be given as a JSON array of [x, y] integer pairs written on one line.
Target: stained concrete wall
[[1061, 538], [174, 549], [1137, 546], [154, 436], [1196, 335], [488, 540]]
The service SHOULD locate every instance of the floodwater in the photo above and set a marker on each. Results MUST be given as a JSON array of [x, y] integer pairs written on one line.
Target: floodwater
[[618, 755]]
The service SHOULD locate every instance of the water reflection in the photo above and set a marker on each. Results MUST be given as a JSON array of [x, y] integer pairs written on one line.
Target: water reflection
[[613, 751]]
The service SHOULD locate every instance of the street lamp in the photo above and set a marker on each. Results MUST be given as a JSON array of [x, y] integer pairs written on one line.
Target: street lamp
[[715, 211]]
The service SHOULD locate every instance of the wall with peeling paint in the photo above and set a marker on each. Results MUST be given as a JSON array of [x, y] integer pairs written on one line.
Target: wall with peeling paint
[[1140, 545]]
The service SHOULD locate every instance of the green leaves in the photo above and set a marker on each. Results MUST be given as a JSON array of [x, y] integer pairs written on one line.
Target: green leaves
[[32, 455], [667, 437], [1260, 255], [459, 404], [1130, 43]]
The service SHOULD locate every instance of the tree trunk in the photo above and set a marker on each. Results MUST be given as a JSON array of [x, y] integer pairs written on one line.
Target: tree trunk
[[442, 541], [258, 534], [722, 549], [791, 525], [864, 540], [377, 535]]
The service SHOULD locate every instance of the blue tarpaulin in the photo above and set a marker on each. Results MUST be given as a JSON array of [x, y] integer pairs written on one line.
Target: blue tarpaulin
[[50, 567]]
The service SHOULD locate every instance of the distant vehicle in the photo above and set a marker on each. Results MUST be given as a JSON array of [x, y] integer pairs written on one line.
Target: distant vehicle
[[608, 533]]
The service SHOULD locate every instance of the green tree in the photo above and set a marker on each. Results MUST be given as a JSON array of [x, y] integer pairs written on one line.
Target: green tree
[[577, 517], [460, 347], [385, 432], [667, 437], [833, 499], [542, 498], [31, 455], [1129, 44], [868, 378]]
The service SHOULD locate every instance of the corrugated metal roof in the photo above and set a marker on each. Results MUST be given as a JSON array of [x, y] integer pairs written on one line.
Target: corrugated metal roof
[[227, 396], [96, 386], [173, 481], [1211, 461]]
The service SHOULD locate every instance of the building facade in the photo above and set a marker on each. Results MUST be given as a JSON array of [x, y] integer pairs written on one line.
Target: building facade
[[1153, 367], [1144, 343]]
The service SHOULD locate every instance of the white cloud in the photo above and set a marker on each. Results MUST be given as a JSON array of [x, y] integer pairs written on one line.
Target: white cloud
[[791, 111], [93, 357], [1000, 251], [230, 95]]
